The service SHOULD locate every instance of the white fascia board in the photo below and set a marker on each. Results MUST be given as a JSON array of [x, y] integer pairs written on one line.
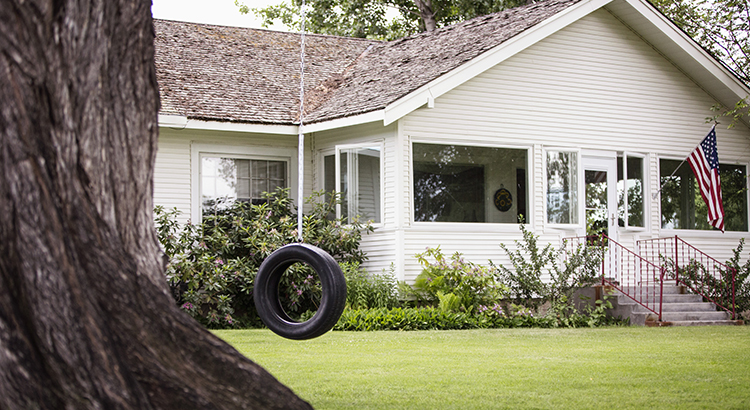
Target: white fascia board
[[373, 116], [181, 122], [465, 72], [172, 121], [689, 46]]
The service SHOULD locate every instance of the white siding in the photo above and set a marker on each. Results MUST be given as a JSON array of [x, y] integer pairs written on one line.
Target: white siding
[[172, 174], [379, 245], [173, 178], [594, 85]]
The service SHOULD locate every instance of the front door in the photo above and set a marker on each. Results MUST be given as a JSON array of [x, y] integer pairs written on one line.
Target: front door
[[600, 176]]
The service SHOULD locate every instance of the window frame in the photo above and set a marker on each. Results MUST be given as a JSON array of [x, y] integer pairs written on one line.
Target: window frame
[[336, 152], [199, 151], [716, 232], [580, 200], [490, 226], [646, 191]]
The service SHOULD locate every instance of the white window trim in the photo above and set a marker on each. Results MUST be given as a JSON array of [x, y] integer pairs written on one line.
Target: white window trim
[[690, 232], [337, 162], [646, 192], [581, 190], [198, 151], [478, 226]]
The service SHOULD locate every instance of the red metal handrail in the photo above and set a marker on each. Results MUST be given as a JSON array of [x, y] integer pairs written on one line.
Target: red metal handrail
[[632, 275], [694, 269]]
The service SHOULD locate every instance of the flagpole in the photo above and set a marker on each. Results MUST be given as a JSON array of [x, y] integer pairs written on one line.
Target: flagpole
[[678, 167]]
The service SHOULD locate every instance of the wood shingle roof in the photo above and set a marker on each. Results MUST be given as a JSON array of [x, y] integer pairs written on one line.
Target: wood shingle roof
[[247, 75]]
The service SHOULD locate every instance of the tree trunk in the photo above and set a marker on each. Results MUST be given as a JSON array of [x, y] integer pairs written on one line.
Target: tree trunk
[[86, 319], [427, 14]]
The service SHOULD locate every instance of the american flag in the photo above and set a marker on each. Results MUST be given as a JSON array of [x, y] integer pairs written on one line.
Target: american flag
[[704, 161]]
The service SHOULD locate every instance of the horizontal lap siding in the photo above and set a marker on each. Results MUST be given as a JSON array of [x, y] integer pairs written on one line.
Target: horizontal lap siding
[[361, 135], [477, 247], [380, 247], [594, 85], [172, 174]]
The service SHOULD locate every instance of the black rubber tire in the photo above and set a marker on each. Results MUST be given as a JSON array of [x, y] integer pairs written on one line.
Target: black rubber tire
[[266, 291]]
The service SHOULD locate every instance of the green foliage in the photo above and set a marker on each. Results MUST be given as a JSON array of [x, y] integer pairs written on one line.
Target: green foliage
[[531, 264], [563, 314], [718, 288], [722, 27], [486, 317], [213, 265], [367, 18], [741, 281], [461, 283], [431, 318], [368, 291]]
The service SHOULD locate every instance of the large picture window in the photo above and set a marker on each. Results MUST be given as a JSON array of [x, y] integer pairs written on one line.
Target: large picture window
[[455, 183], [630, 188], [224, 180], [354, 172], [562, 187], [682, 206]]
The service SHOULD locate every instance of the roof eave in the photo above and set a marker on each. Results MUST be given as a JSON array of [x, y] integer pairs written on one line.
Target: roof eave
[[181, 122]]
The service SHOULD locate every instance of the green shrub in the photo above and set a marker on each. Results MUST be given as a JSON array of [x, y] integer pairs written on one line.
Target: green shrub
[[213, 265], [718, 288], [431, 318], [458, 281], [741, 281], [368, 291], [578, 269]]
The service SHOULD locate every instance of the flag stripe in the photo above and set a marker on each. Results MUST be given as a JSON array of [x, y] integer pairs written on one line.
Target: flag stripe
[[704, 161]]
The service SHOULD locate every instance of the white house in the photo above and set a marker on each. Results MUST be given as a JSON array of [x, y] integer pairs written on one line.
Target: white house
[[446, 138]]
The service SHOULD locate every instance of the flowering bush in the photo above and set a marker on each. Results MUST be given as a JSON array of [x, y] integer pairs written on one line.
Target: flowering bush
[[442, 281], [212, 266]]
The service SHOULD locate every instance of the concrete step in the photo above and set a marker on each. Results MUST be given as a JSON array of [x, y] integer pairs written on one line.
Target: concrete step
[[697, 323], [691, 316], [668, 290], [668, 298], [684, 307]]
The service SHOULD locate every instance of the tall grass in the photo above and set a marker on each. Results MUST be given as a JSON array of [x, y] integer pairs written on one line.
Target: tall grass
[[622, 367]]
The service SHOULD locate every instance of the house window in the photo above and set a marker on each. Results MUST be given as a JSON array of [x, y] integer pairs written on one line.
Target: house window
[[682, 206], [455, 183], [630, 188], [562, 187], [354, 172], [224, 180]]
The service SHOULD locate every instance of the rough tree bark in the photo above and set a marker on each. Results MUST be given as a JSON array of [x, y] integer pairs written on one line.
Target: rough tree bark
[[86, 320]]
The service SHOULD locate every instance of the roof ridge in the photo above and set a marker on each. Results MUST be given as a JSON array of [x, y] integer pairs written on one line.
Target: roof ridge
[[267, 30]]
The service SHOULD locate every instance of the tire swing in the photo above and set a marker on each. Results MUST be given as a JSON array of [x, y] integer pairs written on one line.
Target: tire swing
[[333, 284], [266, 292]]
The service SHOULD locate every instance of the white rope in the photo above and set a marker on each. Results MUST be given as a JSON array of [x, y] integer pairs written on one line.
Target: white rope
[[301, 138]]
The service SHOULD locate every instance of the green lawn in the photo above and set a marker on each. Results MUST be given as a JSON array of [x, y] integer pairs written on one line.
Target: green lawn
[[603, 368]]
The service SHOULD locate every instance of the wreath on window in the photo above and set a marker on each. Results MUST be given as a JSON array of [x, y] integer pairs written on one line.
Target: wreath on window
[[503, 200]]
